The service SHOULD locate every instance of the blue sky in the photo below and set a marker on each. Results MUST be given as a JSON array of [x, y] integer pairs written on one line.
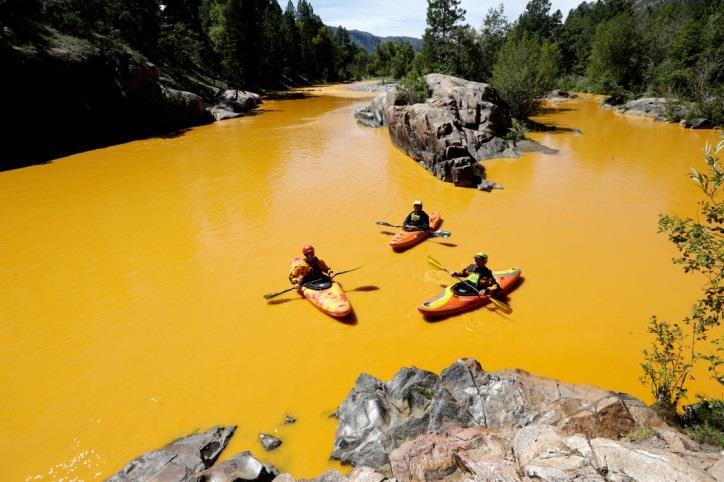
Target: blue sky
[[407, 17]]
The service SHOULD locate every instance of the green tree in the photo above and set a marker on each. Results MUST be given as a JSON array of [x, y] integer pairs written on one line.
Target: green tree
[[291, 44], [618, 56], [444, 17], [525, 69], [536, 19], [668, 363], [402, 61], [492, 37]]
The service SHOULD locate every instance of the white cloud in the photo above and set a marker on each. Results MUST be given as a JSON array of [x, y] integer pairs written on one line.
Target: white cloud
[[407, 17]]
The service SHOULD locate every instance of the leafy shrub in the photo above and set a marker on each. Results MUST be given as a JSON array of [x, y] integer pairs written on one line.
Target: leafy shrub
[[667, 365], [704, 421], [517, 132], [525, 69], [412, 89]]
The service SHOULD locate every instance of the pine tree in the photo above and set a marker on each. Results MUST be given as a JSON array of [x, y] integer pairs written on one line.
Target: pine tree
[[536, 19], [444, 17]]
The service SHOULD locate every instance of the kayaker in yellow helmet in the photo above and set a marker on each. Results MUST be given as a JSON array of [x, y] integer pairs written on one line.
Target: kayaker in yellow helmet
[[307, 269], [479, 275], [417, 220]]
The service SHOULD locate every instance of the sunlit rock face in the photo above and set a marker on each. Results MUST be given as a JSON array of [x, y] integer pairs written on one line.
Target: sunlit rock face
[[460, 123], [469, 424]]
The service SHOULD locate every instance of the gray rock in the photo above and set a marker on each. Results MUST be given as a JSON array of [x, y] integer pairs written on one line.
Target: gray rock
[[328, 476], [699, 123], [378, 417], [242, 466], [537, 452], [289, 419], [181, 460], [285, 478], [559, 95], [269, 442], [365, 474], [235, 103], [658, 108], [461, 123]]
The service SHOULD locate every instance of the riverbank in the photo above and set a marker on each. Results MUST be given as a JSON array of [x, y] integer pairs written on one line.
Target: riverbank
[[467, 424]]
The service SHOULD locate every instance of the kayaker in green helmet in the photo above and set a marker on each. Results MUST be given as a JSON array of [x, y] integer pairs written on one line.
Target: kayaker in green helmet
[[417, 220], [479, 275]]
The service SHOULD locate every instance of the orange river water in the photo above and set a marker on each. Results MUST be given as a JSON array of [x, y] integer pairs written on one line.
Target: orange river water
[[131, 277]]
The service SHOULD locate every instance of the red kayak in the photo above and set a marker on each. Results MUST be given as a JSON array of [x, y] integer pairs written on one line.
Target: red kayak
[[407, 239], [461, 297]]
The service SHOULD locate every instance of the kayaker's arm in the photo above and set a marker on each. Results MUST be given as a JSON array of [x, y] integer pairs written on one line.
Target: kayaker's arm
[[425, 221], [325, 269], [461, 274]]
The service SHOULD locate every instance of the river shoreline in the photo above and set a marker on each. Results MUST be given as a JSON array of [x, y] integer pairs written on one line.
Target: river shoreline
[[466, 424]]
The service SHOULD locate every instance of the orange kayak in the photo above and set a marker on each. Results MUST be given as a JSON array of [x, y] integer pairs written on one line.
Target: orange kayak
[[407, 239], [328, 296], [460, 297]]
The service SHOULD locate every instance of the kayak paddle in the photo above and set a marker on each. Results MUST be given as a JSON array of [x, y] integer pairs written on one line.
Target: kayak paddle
[[269, 296], [437, 234], [497, 303]]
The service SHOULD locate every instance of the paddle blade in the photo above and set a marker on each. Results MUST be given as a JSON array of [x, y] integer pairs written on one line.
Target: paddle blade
[[505, 308], [441, 234], [384, 223], [269, 296], [435, 263]]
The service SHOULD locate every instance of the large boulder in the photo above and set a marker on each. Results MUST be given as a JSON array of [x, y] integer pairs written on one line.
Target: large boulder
[[541, 452], [241, 467], [234, 103], [377, 417], [461, 123], [180, 461]]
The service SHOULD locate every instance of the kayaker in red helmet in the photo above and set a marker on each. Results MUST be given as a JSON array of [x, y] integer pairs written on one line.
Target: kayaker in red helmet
[[417, 220], [479, 275], [309, 269]]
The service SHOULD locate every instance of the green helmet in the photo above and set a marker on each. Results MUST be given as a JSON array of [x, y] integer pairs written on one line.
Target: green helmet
[[481, 255]]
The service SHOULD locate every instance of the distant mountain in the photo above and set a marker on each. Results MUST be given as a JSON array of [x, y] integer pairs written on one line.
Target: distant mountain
[[369, 41]]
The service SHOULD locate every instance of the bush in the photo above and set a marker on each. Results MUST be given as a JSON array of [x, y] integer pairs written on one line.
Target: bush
[[704, 421], [517, 132], [412, 89], [525, 69], [667, 365], [573, 82]]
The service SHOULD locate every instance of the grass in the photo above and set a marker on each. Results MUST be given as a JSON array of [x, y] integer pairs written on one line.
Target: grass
[[642, 432]]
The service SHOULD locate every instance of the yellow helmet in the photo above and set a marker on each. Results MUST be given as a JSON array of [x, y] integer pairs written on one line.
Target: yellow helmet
[[481, 255]]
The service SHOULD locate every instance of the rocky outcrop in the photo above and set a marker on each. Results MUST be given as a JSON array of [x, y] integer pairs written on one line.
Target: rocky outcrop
[[654, 107], [505, 425], [699, 123], [539, 452], [235, 103], [241, 467], [85, 95], [662, 109], [180, 461], [461, 123], [558, 95], [467, 425]]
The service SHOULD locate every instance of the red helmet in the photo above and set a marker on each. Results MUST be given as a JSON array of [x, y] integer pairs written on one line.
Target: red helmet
[[308, 249]]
